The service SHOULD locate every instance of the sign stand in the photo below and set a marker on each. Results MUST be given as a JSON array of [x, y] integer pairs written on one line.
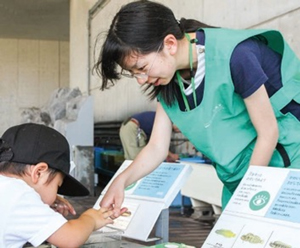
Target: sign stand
[[148, 201]]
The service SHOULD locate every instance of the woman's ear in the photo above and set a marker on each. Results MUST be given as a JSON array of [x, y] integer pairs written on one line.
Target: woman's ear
[[171, 44], [38, 171]]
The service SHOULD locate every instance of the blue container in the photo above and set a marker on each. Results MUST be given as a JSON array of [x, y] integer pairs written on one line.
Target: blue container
[[111, 160], [97, 157], [178, 201]]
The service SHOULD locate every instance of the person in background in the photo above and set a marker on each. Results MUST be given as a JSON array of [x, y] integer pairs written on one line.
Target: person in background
[[34, 168], [234, 94], [135, 132]]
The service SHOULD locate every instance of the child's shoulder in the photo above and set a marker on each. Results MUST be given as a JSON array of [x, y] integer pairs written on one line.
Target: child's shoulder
[[13, 184], [16, 192]]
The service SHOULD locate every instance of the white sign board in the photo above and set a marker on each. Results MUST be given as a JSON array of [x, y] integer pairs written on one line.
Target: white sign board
[[146, 198], [263, 212]]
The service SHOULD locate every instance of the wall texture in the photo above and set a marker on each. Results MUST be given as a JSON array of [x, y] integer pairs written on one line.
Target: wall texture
[[120, 101], [29, 72], [126, 98], [31, 69]]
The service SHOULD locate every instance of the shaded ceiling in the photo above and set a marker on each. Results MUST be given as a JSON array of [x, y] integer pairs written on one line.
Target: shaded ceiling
[[35, 19]]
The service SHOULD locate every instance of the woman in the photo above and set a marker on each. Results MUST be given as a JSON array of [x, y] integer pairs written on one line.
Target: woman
[[233, 93]]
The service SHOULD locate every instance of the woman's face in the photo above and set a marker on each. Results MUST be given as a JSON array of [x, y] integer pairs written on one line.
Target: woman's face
[[158, 66]]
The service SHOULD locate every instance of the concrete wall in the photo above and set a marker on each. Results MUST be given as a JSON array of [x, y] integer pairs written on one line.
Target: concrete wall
[[29, 71], [120, 101], [126, 98], [79, 43]]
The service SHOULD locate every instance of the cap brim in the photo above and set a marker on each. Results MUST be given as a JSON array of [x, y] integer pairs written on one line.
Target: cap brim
[[72, 187]]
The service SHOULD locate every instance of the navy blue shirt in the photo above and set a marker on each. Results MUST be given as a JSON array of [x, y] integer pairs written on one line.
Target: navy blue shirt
[[146, 120], [252, 64]]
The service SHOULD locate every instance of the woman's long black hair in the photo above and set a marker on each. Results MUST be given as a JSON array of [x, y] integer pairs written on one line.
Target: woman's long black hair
[[140, 27]]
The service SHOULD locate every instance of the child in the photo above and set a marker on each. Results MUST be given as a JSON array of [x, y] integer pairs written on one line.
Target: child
[[34, 167]]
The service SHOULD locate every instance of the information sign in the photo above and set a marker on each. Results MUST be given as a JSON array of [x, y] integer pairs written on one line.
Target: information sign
[[146, 198], [263, 212]]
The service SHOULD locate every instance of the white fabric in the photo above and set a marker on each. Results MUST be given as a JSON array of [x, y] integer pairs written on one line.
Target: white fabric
[[200, 73], [24, 217]]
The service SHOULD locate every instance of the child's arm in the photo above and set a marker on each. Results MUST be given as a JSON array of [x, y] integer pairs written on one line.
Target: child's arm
[[75, 232]]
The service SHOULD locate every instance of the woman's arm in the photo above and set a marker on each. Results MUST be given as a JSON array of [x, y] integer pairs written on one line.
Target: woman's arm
[[155, 151], [152, 155], [262, 117]]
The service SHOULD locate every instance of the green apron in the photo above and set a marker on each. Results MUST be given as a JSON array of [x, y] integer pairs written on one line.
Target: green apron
[[220, 126]]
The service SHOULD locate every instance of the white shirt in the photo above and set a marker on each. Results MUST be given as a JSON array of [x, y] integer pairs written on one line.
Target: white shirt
[[200, 73], [24, 217]]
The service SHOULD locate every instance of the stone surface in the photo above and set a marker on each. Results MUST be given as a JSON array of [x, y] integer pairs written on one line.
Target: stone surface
[[64, 103]]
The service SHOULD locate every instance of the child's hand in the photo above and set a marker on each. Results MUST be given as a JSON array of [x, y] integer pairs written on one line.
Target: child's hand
[[62, 206], [102, 216], [172, 157]]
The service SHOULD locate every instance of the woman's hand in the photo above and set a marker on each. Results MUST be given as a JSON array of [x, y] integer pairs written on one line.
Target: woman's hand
[[114, 198]]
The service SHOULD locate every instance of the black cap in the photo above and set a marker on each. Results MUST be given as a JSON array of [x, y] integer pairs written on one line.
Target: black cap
[[34, 143]]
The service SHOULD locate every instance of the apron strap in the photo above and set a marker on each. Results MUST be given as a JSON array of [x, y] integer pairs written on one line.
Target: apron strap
[[284, 155], [289, 91]]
